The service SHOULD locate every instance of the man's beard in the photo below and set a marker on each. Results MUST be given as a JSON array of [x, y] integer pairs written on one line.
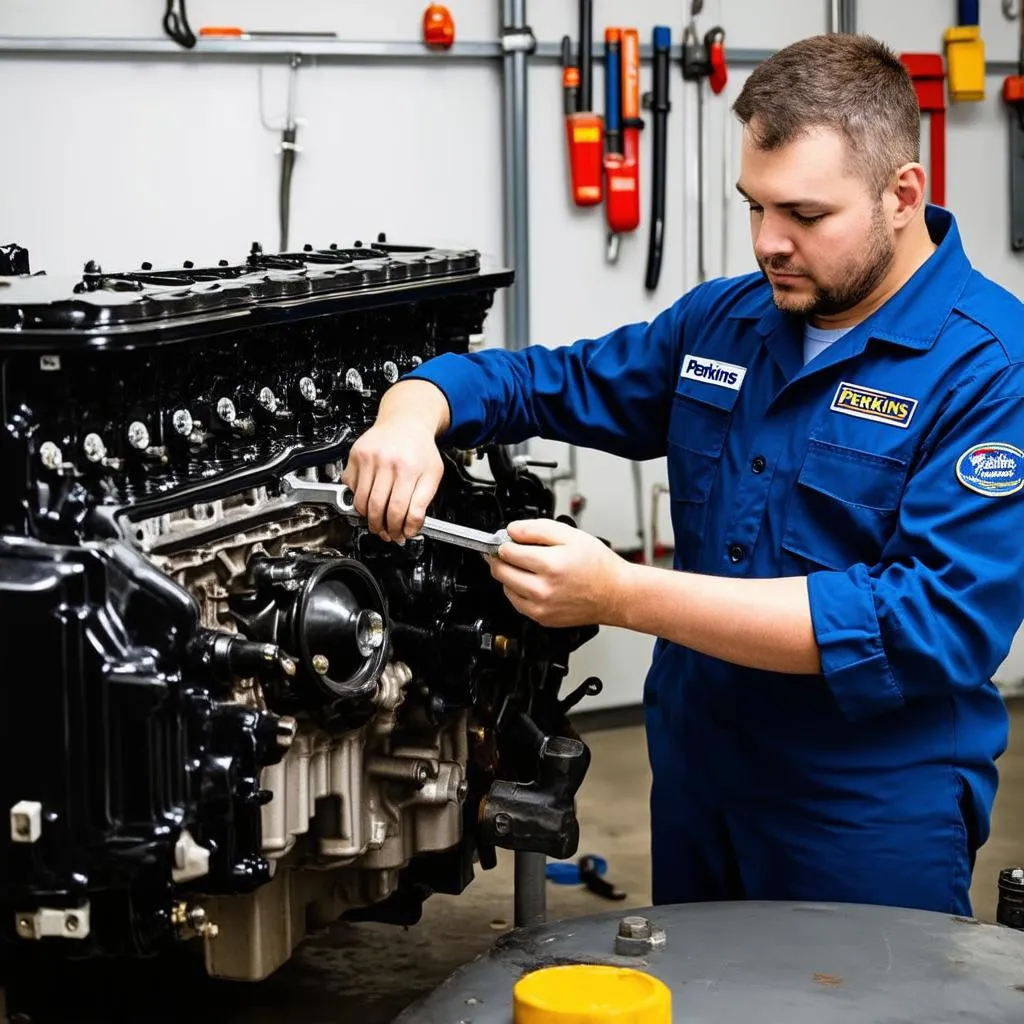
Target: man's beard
[[856, 283]]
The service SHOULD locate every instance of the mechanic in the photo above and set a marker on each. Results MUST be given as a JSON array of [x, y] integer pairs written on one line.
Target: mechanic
[[844, 433]]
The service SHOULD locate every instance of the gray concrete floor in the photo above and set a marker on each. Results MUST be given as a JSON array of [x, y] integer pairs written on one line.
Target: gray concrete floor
[[369, 973]]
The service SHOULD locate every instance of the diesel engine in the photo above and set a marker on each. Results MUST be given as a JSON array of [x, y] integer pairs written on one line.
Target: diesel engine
[[230, 713]]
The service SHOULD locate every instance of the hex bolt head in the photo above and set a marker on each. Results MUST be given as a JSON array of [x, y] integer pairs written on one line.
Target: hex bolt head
[[285, 732], [226, 410], [635, 928], [138, 435], [637, 937], [182, 421], [50, 455], [390, 372], [307, 389], [320, 664], [94, 448]]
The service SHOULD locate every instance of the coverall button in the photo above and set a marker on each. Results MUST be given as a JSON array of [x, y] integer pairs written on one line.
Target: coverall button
[[758, 463], [736, 553]]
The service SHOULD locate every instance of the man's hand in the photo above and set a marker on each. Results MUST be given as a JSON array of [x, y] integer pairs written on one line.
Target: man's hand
[[558, 575], [394, 469], [561, 576]]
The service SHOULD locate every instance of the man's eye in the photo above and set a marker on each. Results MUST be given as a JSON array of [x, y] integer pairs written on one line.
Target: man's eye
[[800, 219]]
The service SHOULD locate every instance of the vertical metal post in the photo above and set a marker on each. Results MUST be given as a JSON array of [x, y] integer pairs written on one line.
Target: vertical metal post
[[530, 893], [530, 883], [517, 197], [849, 16], [834, 15]]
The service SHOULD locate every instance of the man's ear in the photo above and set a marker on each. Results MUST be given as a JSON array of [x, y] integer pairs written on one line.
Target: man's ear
[[909, 193]]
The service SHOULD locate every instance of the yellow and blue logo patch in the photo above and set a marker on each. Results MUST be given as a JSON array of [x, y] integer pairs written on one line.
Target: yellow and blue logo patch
[[870, 404], [994, 469]]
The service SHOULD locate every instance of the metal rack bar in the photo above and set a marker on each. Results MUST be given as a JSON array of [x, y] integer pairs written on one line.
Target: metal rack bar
[[321, 49], [328, 50]]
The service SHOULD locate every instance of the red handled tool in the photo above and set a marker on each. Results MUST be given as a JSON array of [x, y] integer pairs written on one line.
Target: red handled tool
[[703, 60], [928, 73], [718, 73], [622, 132], [1013, 97], [584, 129]]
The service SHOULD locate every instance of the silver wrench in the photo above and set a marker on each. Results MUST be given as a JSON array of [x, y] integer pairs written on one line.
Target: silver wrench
[[342, 500]]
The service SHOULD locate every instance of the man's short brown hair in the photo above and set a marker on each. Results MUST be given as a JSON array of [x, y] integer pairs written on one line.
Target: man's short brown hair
[[852, 84]]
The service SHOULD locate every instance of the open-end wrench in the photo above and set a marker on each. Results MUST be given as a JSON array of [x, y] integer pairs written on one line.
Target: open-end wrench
[[342, 500]]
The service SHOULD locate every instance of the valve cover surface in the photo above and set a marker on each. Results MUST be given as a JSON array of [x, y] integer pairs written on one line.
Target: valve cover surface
[[233, 716]]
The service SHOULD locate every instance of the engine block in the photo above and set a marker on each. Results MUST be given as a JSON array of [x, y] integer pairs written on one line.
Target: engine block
[[236, 716]]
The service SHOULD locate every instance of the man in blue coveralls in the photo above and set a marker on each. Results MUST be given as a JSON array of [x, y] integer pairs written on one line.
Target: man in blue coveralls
[[844, 432]]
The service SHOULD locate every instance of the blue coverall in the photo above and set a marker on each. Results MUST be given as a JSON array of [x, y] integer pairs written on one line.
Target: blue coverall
[[889, 471]]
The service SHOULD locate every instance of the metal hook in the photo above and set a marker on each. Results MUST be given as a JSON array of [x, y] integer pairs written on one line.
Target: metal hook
[[1011, 10]]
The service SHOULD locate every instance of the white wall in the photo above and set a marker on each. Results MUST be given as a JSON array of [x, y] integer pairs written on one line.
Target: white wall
[[167, 160]]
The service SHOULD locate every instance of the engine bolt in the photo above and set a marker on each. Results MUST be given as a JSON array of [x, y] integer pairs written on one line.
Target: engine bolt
[[267, 399], [71, 923], [307, 389], [138, 435], [417, 360], [50, 455], [354, 379], [94, 448], [390, 372], [182, 422], [226, 410], [320, 664], [369, 632], [285, 732]]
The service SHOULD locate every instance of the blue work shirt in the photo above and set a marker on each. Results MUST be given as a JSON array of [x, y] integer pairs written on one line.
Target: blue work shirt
[[888, 471]]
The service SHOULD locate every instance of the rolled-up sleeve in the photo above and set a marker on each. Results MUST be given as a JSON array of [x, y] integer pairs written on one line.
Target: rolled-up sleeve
[[611, 393], [938, 613]]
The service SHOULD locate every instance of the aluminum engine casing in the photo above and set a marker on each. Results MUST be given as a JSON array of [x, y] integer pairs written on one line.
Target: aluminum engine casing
[[237, 716]]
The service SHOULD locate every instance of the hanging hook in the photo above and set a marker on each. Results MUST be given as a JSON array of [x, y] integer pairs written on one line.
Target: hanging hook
[[1011, 10]]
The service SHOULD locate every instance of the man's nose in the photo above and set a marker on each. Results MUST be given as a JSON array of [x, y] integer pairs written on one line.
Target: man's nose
[[773, 238]]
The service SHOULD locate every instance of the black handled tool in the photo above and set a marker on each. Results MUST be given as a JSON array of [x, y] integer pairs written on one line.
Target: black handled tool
[[658, 103]]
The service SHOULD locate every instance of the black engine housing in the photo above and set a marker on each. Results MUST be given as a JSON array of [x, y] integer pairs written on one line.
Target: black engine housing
[[131, 769]]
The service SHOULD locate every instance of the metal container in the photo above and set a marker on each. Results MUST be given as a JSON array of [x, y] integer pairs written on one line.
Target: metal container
[[779, 963]]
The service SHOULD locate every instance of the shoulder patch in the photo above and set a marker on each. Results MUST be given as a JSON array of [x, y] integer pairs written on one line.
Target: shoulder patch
[[994, 469]]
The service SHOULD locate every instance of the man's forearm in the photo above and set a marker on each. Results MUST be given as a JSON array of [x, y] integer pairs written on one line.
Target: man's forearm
[[764, 624]]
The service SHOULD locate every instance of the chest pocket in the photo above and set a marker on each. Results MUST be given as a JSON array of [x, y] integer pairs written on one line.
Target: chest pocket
[[701, 415], [843, 508]]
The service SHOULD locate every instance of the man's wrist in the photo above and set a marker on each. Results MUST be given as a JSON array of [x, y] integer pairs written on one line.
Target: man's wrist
[[626, 595], [423, 400]]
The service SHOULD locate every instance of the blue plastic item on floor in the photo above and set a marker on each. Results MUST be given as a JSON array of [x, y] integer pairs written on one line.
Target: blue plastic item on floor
[[566, 873]]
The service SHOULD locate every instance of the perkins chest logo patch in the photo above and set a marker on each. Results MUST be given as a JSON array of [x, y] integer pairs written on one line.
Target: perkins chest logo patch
[[993, 469], [711, 371], [869, 404]]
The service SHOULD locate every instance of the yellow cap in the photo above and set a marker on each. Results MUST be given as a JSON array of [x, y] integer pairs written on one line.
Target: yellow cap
[[591, 994]]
